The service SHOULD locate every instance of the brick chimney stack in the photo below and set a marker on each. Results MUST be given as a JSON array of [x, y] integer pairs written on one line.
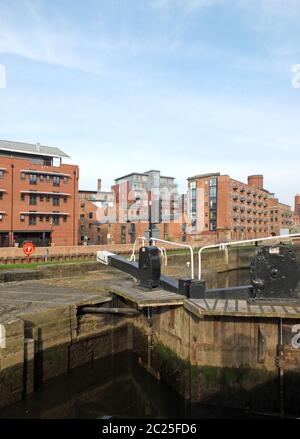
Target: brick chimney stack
[[99, 185], [256, 181]]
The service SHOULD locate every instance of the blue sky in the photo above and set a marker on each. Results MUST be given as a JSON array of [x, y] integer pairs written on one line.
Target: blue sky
[[185, 86]]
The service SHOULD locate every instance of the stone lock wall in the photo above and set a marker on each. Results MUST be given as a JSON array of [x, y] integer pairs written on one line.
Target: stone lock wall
[[221, 360], [43, 344]]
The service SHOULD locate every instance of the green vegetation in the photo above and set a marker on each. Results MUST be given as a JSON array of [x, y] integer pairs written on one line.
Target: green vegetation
[[35, 265]]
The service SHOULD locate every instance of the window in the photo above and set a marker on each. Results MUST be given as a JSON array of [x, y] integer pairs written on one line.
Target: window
[[82, 216], [213, 182], [213, 203], [48, 178], [1, 216], [41, 198], [213, 215], [32, 179], [32, 220], [90, 225], [55, 200], [55, 220], [65, 199], [1, 195], [56, 180], [213, 226], [213, 191], [65, 218], [41, 178], [41, 218], [90, 215], [32, 199], [47, 218], [1, 173], [47, 197], [81, 238], [65, 180], [23, 176], [22, 218]]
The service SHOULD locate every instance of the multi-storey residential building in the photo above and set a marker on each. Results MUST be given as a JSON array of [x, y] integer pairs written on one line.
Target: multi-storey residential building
[[38, 195], [144, 196], [297, 209], [280, 216], [219, 205], [140, 194], [96, 214]]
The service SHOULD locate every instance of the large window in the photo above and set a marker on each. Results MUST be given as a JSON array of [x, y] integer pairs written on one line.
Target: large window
[[193, 203], [32, 220], [55, 220], [56, 180], [32, 178], [213, 204], [32, 199], [55, 200]]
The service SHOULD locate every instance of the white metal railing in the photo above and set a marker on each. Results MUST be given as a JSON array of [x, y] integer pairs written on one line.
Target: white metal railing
[[224, 246], [162, 250], [164, 256], [139, 238], [178, 244]]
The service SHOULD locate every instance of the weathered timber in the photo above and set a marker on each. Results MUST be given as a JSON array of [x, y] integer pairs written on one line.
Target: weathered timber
[[241, 308], [143, 297]]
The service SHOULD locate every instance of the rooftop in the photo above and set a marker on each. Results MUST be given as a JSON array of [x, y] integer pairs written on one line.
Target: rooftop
[[143, 174], [212, 174], [32, 149]]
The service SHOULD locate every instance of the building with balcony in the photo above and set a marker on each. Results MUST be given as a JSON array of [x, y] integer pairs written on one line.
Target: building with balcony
[[38, 195], [220, 205]]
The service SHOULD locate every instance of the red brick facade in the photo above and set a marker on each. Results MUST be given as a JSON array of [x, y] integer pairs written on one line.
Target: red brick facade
[[297, 209], [38, 202], [230, 209]]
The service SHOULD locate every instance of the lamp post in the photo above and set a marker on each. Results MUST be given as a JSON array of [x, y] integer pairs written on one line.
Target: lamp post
[[150, 220]]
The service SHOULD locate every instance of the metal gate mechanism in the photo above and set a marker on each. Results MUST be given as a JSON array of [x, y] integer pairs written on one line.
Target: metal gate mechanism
[[274, 274]]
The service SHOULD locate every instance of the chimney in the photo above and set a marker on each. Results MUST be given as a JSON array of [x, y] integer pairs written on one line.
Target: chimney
[[256, 181], [99, 184]]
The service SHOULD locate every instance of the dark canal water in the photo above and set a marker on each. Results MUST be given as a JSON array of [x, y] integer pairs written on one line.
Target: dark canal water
[[116, 387]]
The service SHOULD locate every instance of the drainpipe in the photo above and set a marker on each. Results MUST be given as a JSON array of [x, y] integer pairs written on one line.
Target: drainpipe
[[11, 237], [74, 208]]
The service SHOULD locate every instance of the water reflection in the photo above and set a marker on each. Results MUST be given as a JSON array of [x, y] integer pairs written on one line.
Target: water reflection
[[116, 387]]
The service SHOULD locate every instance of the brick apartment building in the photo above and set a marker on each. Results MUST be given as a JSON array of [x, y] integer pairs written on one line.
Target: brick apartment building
[[38, 195], [297, 210], [140, 196], [96, 214], [229, 209], [120, 215]]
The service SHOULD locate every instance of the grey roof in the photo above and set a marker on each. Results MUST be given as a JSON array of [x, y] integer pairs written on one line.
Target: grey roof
[[143, 174], [29, 148], [130, 175], [212, 174]]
